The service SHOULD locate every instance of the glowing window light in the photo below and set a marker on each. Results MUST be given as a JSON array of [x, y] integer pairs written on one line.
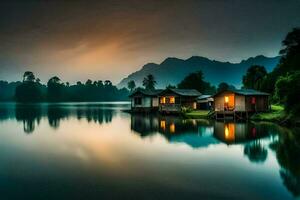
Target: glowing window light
[[162, 100], [172, 100], [163, 124], [172, 128], [226, 99]]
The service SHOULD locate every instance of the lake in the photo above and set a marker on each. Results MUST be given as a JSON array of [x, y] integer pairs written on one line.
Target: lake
[[98, 151]]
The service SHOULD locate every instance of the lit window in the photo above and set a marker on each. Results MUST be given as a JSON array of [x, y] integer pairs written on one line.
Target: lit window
[[172, 99], [162, 100], [163, 124], [226, 99], [172, 128]]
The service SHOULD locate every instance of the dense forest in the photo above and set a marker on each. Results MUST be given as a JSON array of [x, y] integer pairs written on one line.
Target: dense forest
[[30, 89]]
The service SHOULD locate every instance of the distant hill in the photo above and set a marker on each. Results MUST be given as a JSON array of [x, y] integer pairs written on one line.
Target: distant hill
[[173, 70]]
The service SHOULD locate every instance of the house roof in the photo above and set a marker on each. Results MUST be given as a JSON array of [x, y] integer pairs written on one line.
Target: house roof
[[204, 96], [246, 92], [145, 92], [183, 92]]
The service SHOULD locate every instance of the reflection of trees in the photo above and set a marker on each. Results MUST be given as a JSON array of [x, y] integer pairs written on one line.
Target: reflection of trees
[[55, 114], [256, 152], [95, 114], [30, 115], [287, 150]]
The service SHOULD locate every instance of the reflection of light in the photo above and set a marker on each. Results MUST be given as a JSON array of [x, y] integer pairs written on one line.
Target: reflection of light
[[172, 128], [229, 131], [163, 124], [226, 99]]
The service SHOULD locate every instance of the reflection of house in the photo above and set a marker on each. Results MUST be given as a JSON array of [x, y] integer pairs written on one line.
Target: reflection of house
[[172, 100], [144, 124], [144, 100], [239, 102], [232, 132], [205, 102]]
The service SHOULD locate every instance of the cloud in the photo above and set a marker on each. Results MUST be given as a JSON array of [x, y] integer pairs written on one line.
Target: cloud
[[109, 39]]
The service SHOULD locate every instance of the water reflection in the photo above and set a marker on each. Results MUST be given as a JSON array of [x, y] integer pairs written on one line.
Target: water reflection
[[287, 149], [207, 144], [31, 114]]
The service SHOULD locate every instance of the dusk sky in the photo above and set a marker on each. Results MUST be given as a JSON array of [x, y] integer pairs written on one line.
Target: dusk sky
[[100, 40]]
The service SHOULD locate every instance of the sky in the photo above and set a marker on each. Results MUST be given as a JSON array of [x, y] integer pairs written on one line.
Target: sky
[[100, 40]]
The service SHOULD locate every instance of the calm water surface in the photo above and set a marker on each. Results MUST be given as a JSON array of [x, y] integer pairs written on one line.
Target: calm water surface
[[98, 151]]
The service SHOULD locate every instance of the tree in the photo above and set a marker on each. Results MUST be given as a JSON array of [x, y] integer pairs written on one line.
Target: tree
[[149, 82], [28, 91], [28, 76], [290, 60], [225, 86], [170, 86], [55, 89], [131, 85], [287, 90], [196, 81], [107, 83], [254, 77]]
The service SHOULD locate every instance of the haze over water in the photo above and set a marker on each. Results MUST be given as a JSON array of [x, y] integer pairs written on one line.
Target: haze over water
[[96, 150]]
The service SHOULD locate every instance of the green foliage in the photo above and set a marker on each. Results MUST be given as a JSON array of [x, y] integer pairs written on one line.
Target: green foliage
[[31, 90], [196, 81], [197, 114], [131, 85], [254, 77], [287, 91], [149, 82], [55, 89], [224, 86], [276, 114], [170, 86], [289, 62]]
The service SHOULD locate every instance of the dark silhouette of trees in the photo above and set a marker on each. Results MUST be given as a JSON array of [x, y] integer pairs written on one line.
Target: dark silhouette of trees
[[28, 76], [29, 90], [55, 89], [254, 77], [196, 81], [131, 85], [289, 62], [288, 90], [224, 86], [149, 82]]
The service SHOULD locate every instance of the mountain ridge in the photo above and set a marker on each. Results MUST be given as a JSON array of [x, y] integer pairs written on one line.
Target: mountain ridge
[[214, 71]]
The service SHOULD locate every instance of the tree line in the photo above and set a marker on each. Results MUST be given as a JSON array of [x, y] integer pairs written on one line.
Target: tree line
[[30, 89]]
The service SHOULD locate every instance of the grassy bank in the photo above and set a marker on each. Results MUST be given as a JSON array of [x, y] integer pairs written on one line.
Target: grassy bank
[[276, 114], [196, 114]]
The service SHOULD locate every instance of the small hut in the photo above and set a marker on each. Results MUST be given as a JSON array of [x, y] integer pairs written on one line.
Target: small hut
[[205, 102], [243, 100], [173, 100], [144, 100]]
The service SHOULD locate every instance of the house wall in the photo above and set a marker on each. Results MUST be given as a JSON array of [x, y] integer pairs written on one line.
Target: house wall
[[239, 101], [189, 102], [242, 103], [146, 102], [155, 102], [262, 103]]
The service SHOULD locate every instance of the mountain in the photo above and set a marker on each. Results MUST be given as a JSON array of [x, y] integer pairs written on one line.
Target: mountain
[[173, 70]]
